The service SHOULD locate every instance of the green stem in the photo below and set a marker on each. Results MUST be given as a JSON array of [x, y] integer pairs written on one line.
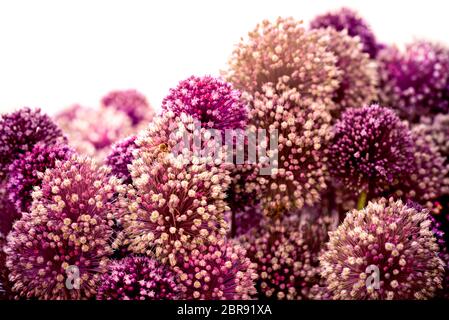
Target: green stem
[[362, 200]]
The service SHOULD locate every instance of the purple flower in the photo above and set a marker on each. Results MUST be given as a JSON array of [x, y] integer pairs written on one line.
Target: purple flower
[[349, 20], [69, 226], [131, 102], [391, 239], [371, 149], [216, 272], [26, 172], [416, 81], [210, 100], [137, 278], [286, 254], [20, 131], [121, 157]]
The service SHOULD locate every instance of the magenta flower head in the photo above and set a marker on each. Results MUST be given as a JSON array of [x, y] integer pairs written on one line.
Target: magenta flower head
[[26, 172], [284, 48], [214, 102], [20, 131], [416, 81], [355, 26], [286, 253], [131, 102], [120, 157], [303, 128], [385, 251], [60, 248], [359, 77], [218, 271], [371, 149], [177, 199], [137, 278]]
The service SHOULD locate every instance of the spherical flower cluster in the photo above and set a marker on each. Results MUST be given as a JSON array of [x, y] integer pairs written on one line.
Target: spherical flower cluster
[[390, 239], [218, 271], [59, 249], [121, 157], [286, 253], [430, 175], [137, 278], [284, 48], [8, 212], [436, 130], [212, 101], [92, 131], [303, 126], [131, 102], [415, 81], [356, 26], [20, 131], [176, 200], [27, 170], [371, 149], [359, 78]]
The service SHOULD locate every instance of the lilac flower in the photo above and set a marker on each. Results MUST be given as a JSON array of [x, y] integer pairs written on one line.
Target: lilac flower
[[390, 237], [69, 225]]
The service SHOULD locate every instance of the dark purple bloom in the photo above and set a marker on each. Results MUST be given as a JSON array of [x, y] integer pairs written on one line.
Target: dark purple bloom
[[137, 278], [120, 157], [347, 19], [416, 81], [26, 172], [8, 212], [20, 131], [371, 149], [212, 101]]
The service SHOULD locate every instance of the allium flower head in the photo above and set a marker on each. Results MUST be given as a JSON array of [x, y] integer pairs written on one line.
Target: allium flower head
[[214, 102], [92, 131], [286, 253], [430, 172], [284, 48], [27, 170], [436, 130], [69, 226], [359, 78], [371, 149], [415, 81], [218, 271], [121, 157], [176, 200], [137, 278], [303, 127], [20, 131], [390, 237], [131, 102], [349, 20]]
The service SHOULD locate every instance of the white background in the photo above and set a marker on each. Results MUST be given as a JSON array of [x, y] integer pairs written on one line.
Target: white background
[[56, 53]]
